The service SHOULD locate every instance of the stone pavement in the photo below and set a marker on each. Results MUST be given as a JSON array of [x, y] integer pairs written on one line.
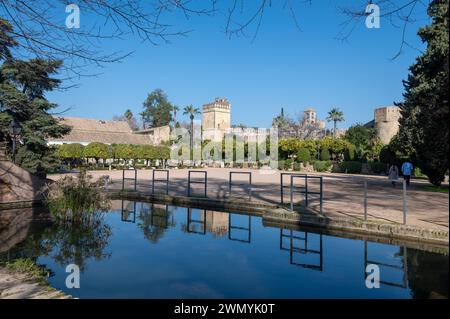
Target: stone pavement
[[343, 193]]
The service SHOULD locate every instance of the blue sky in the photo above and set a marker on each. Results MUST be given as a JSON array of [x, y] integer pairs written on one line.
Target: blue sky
[[282, 67]]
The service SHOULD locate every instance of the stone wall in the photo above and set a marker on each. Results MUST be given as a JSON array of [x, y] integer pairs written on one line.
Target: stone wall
[[17, 184]]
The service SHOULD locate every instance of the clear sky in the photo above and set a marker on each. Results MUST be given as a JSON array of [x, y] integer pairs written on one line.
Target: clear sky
[[282, 67]]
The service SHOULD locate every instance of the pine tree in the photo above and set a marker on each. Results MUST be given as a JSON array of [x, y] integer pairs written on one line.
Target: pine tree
[[424, 126], [23, 85]]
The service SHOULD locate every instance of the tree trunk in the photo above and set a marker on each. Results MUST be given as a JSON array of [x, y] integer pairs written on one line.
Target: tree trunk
[[334, 130]]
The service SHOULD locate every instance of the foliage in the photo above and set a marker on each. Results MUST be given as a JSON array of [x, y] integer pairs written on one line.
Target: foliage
[[23, 86], [288, 164], [377, 167], [96, 150], [123, 151], [70, 151], [387, 155], [335, 115], [350, 153], [76, 199], [325, 154], [322, 166], [29, 268], [303, 155], [350, 167], [366, 141], [157, 109], [424, 125]]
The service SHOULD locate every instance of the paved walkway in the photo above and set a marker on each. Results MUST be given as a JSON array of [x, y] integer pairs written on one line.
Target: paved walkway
[[343, 193], [19, 286]]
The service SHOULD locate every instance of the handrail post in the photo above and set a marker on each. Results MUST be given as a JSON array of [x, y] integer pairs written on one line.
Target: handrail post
[[405, 208], [306, 190], [291, 192], [365, 200]]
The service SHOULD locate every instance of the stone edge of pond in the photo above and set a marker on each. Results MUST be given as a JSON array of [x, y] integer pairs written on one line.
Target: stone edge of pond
[[18, 285], [304, 217]]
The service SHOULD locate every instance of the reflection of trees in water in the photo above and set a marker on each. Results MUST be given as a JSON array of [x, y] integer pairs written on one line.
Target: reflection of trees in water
[[66, 243], [427, 274], [154, 221]]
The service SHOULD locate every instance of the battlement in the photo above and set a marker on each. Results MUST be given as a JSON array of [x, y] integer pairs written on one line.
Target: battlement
[[387, 114], [218, 104]]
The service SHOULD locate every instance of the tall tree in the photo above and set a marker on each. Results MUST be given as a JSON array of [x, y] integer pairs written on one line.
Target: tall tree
[[424, 126], [157, 109], [335, 115], [191, 111], [175, 109], [23, 85]]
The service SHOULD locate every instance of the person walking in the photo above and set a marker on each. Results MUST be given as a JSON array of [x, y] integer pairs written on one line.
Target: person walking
[[407, 169], [393, 174]]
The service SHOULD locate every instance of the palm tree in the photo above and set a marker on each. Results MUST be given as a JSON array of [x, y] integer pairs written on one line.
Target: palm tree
[[335, 115], [175, 109], [191, 111]]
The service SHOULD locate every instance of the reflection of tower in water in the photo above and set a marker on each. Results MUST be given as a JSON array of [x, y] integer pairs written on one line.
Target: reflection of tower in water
[[216, 223]]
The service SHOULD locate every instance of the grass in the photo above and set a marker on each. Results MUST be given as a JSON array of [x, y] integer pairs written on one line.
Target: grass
[[436, 189], [30, 269]]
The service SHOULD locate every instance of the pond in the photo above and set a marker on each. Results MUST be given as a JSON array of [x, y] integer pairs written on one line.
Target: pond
[[144, 250]]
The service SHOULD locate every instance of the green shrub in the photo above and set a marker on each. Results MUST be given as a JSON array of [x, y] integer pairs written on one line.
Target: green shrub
[[322, 166], [76, 199], [325, 154], [350, 153], [288, 163], [377, 167], [418, 172], [387, 155], [303, 155], [351, 167], [281, 164], [297, 167]]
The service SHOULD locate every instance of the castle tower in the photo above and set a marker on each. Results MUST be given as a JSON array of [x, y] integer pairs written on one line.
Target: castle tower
[[310, 116], [216, 119], [386, 122]]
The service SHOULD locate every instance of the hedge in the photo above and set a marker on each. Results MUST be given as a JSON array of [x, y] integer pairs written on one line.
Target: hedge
[[377, 167], [322, 166], [303, 155], [350, 167]]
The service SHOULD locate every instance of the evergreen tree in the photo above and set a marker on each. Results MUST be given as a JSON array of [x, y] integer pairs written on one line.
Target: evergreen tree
[[157, 109], [424, 126], [23, 85]]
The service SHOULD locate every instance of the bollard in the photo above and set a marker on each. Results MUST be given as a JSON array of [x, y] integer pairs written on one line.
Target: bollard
[[365, 200], [405, 208]]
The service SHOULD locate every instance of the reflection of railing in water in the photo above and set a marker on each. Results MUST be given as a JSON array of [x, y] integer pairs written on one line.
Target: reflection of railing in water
[[163, 216], [292, 249], [247, 229], [125, 214], [194, 222], [403, 268]]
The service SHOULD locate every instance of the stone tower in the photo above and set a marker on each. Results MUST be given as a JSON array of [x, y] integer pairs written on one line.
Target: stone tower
[[386, 122], [216, 119]]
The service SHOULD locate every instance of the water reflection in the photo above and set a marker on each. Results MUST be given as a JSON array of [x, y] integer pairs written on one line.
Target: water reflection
[[64, 243], [272, 260], [300, 248]]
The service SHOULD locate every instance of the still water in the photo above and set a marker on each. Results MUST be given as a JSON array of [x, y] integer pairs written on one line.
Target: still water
[[143, 250]]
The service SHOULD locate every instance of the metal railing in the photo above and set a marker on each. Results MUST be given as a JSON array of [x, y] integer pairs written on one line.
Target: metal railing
[[204, 182], [303, 189], [129, 178], [166, 180], [230, 182]]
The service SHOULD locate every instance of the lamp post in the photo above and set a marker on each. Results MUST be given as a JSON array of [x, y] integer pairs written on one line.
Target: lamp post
[[14, 130], [318, 152]]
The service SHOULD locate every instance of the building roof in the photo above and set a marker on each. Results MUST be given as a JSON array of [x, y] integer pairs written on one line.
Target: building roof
[[92, 130]]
